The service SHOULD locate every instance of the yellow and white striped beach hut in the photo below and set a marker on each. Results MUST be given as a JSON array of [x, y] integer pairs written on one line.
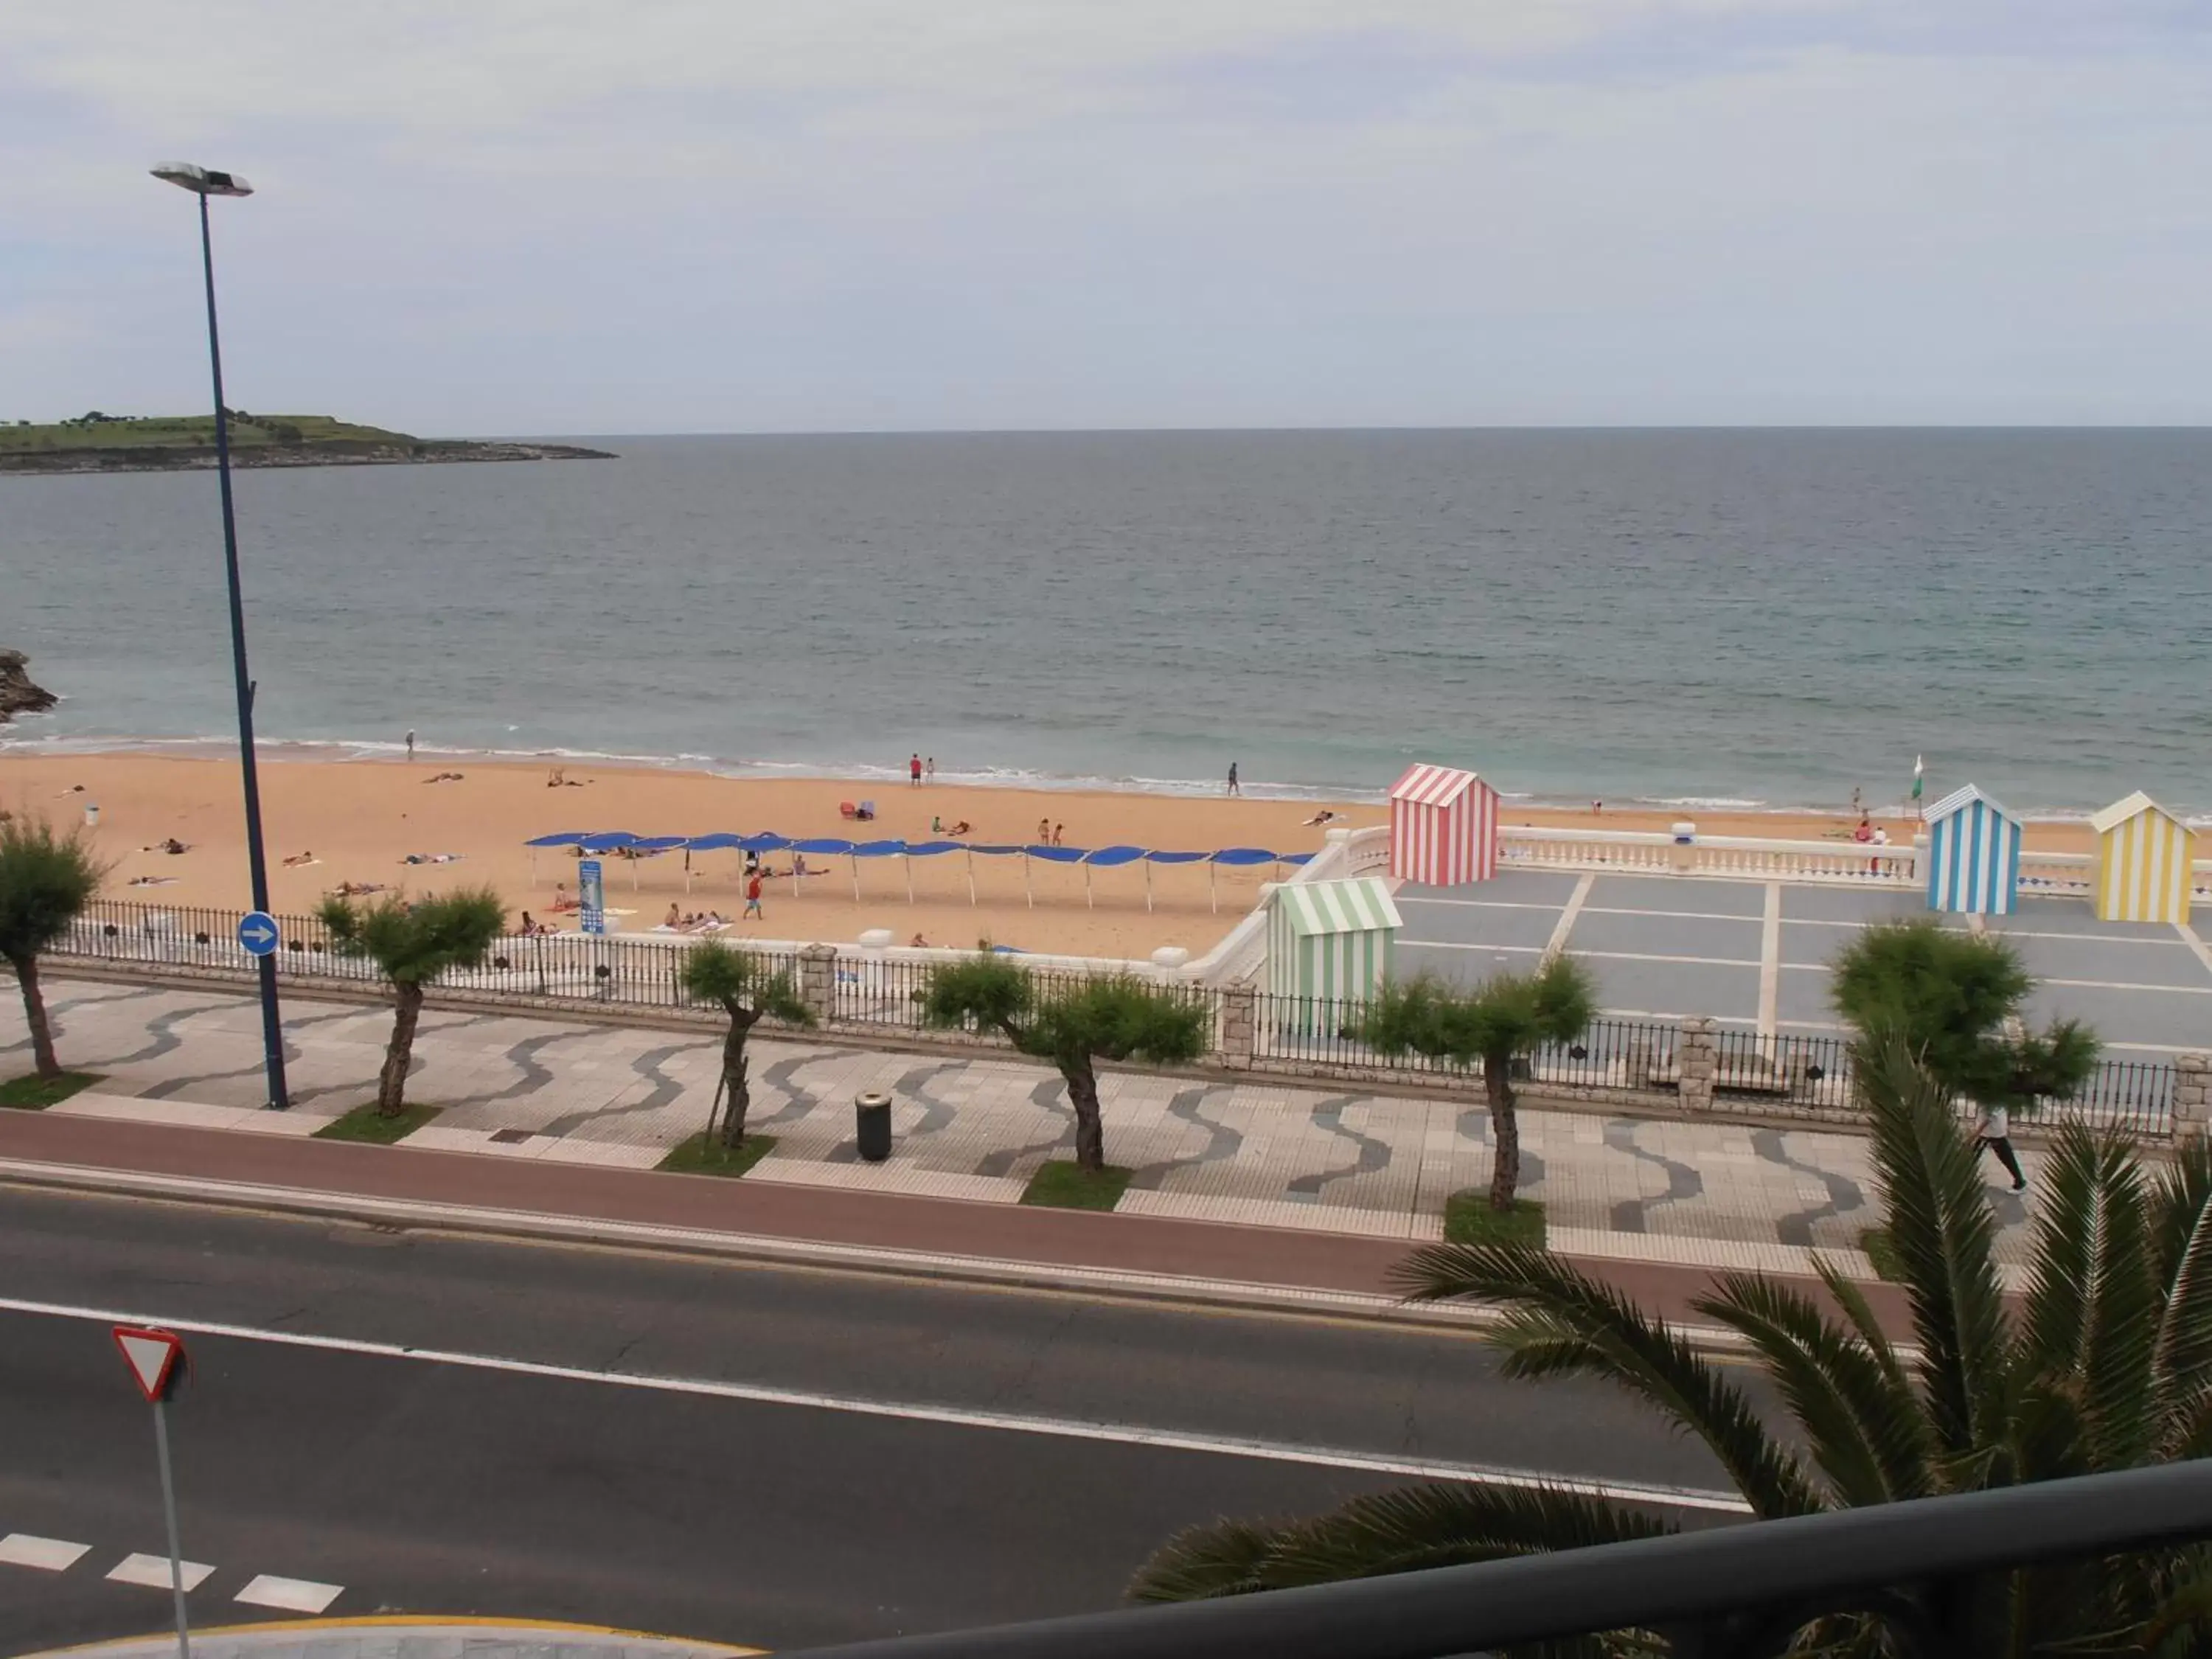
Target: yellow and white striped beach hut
[[2143, 854], [1330, 945]]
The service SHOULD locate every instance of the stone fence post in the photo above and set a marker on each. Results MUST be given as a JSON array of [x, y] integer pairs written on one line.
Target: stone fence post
[[817, 979], [2192, 1094], [1237, 1005], [1698, 1058]]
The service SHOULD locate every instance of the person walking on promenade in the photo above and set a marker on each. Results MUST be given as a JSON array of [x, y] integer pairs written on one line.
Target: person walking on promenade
[[753, 898], [411, 745], [1995, 1131], [1233, 788], [913, 771]]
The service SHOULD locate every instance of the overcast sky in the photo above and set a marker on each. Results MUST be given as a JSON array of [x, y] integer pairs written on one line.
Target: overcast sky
[[483, 216]]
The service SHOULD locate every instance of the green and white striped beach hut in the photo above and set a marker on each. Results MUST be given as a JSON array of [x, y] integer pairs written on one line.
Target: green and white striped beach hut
[[1329, 941]]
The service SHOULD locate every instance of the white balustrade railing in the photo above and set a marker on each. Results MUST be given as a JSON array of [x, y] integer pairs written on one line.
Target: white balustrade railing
[[1855, 862]]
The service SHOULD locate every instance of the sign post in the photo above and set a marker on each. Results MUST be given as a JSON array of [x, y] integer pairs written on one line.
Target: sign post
[[258, 934], [155, 1359], [591, 897]]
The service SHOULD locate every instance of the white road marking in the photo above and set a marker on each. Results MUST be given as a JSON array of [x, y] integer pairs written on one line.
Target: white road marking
[[1769, 959], [293, 1595], [23, 1549], [1566, 923], [1124, 1434], [2195, 941], [153, 1572]]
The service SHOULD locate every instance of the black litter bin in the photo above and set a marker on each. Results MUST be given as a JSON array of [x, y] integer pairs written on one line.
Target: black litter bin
[[872, 1127]]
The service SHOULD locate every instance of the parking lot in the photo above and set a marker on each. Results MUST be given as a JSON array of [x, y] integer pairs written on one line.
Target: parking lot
[[1754, 954]]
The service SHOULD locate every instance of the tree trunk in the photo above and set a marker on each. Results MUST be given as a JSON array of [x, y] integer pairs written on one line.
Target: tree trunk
[[35, 1014], [1083, 1095], [736, 1092], [1504, 1130], [392, 1081]]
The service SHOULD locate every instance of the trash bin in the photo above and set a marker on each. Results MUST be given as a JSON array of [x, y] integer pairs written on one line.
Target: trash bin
[[1682, 856], [871, 1115]]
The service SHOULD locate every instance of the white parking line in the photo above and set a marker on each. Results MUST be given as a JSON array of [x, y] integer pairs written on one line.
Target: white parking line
[[1770, 958], [23, 1549], [293, 1595], [1566, 923], [1124, 1434], [153, 1572]]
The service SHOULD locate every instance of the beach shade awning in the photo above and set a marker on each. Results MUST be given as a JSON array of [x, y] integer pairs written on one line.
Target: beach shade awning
[[764, 843], [995, 851], [566, 838], [1055, 855], [1299, 858], [826, 844], [608, 841], [716, 842], [879, 849], [1177, 858], [1243, 855], [659, 843], [1108, 858], [930, 849]]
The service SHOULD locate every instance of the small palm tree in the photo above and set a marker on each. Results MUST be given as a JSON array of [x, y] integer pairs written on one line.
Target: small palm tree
[[2107, 1365], [46, 881], [1498, 1022], [749, 992], [412, 941], [1073, 1025], [1955, 998]]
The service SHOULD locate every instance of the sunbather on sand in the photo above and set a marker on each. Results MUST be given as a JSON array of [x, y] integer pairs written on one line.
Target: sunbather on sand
[[172, 845], [357, 889], [299, 858], [959, 830], [1322, 817]]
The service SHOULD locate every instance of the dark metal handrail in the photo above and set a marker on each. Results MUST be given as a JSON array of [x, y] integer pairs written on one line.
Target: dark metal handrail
[[1820, 1562]]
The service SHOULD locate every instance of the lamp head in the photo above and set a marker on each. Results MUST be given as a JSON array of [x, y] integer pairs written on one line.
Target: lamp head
[[203, 181]]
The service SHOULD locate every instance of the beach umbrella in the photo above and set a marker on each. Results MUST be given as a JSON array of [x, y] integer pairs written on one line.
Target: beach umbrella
[[566, 838], [1109, 858], [1151, 858]]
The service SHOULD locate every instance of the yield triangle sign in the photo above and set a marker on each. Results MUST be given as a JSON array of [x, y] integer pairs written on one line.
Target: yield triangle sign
[[152, 1356]]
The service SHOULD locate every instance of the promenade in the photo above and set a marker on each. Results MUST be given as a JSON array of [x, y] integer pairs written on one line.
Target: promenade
[[1307, 1161]]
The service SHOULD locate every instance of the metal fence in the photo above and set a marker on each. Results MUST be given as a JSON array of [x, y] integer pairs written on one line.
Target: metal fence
[[1798, 1071]]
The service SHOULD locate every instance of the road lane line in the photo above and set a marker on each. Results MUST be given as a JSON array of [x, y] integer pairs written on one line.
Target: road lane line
[[293, 1595], [1769, 959], [153, 1572], [24, 1549], [1124, 1434], [1568, 916]]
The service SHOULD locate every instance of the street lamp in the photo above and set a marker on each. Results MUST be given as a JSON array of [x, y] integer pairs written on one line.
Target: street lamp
[[204, 182]]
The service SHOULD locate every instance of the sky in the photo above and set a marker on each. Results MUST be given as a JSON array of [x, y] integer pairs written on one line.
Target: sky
[[541, 216]]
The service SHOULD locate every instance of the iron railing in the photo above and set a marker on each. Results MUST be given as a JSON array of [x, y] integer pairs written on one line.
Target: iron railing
[[1809, 1071], [1739, 1591]]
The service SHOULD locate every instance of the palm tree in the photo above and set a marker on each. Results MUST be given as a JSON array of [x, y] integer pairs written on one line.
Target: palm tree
[[46, 881], [1073, 1025], [2108, 1364], [749, 992], [412, 941], [1498, 1022], [1955, 998]]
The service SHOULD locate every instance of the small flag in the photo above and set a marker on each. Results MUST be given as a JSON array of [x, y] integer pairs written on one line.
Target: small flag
[[1919, 766]]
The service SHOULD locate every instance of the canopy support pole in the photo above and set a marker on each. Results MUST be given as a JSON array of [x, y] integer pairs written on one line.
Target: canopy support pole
[[795, 857], [1026, 893], [1210, 893], [1148, 887], [1090, 902], [856, 878], [971, 881], [909, 857]]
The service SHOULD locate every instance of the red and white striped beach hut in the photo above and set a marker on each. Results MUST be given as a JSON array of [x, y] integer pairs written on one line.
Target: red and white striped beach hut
[[1443, 827]]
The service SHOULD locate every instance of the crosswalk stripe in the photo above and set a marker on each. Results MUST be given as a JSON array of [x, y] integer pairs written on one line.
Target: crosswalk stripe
[[24, 1549], [293, 1595], [153, 1572]]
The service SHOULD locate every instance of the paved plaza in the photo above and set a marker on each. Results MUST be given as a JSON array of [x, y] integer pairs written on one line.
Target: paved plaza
[[977, 1127], [1754, 954]]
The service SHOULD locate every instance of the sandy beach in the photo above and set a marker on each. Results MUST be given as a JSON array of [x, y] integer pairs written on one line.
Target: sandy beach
[[359, 820]]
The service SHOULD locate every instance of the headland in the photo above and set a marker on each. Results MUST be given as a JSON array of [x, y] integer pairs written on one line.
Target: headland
[[96, 442]]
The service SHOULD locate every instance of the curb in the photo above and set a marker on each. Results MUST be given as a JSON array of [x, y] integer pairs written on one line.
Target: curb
[[767, 1250]]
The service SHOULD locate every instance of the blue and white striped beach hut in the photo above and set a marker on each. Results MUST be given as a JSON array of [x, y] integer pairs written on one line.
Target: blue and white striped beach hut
[[1973, 855]]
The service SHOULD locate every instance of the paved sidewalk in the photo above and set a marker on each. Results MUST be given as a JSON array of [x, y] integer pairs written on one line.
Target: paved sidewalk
[[1305, 1160]]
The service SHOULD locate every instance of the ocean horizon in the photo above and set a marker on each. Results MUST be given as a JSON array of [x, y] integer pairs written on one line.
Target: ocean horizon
[[1693, 618]]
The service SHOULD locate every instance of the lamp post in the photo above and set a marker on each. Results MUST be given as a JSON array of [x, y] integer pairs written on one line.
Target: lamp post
[[203, 182]]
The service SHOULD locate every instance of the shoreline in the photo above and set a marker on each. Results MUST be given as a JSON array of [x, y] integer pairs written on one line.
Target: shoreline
[[18, 741]]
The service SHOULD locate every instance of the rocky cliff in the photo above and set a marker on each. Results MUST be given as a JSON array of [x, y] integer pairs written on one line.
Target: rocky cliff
[[17, 694]]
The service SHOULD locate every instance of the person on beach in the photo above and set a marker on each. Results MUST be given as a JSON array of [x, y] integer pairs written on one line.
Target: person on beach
[[1233, 788], [959, 828], [913, 771], [798, 865], [673, 918], [929, 768], [411, 745], [1057, 829], [298, 859], [753, 898], [1995, 1131], [1865, 831], [1044, 832]]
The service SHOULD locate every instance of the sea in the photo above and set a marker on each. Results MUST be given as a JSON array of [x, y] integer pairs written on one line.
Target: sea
[[1768, 619]]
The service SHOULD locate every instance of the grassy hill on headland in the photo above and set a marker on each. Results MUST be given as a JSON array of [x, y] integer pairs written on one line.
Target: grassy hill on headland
[[97, 443]]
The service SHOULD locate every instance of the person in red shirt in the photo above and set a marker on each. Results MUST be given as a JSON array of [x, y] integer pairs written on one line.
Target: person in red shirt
[[753, 898], [913, 771]]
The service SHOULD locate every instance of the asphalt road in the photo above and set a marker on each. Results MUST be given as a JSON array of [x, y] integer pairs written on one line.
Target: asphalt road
[[429, 1485]]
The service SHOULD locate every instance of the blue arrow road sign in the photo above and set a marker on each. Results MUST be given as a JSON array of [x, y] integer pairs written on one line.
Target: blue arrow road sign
[[257, 933]]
